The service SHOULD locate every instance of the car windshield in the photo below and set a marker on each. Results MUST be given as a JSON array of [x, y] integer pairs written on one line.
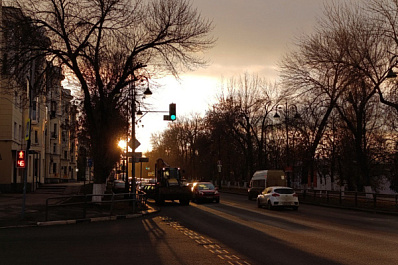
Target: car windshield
[[284, 191], [205, 186]]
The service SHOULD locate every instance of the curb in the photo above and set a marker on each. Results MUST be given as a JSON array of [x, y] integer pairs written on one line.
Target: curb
[[98, 219], [88, 220]]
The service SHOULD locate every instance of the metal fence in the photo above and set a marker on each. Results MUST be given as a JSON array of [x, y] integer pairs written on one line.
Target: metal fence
[[83, 206], [365, 200], [349, 199]]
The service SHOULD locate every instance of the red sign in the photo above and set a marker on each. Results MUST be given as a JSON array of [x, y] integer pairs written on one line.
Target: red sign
[[21, 159]]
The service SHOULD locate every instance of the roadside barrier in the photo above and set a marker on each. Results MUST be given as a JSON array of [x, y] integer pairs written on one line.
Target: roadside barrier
[[370, 201], [81, 206], [355, 199]]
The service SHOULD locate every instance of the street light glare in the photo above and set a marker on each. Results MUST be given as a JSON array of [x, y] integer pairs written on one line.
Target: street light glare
[[122, 144]]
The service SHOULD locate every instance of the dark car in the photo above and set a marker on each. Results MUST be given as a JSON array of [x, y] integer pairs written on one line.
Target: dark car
[[205, 191]]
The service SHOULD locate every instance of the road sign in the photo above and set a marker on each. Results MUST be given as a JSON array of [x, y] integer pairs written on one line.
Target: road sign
[[136, 154], [143, 159], [137, 143]]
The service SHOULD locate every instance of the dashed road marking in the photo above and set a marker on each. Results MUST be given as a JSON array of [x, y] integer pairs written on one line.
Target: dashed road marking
[[213, 247]]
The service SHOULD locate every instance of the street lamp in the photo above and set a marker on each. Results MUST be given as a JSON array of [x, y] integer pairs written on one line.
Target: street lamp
[[146, 93], [287, 111]]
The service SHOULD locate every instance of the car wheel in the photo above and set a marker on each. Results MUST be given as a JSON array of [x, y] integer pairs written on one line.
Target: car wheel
[[218, 200], [269, 205], [295, 208]]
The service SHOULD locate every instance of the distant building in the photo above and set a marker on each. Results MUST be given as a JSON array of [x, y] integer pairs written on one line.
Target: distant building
[[61, 140]]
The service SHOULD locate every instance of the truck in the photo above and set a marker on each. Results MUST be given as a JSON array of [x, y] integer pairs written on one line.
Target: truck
[[169, 184], [265, 178]]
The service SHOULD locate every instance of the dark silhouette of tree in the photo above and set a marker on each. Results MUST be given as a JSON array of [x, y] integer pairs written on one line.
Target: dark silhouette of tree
[[109, 47]]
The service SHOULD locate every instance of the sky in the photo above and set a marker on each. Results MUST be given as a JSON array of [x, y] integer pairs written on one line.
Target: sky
[[252, 36]]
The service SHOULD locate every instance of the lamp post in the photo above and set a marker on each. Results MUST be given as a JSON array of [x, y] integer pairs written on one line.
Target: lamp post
[[146, 93], [287, 111]]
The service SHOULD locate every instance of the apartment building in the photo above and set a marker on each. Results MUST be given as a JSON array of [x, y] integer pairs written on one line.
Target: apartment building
[[61, 140], [40, 120]]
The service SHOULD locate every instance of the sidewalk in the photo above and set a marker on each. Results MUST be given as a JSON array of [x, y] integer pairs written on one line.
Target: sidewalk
[[11, 214]]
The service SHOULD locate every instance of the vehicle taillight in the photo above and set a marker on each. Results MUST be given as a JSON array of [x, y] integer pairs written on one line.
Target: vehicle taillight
[[295, 195], [275, 194]]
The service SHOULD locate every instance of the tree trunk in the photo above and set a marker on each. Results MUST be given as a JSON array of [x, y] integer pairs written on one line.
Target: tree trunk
[[98, 192]]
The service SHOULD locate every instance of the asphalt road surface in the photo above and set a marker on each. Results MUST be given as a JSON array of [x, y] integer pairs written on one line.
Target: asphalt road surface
[[311, 235], [233, 231]]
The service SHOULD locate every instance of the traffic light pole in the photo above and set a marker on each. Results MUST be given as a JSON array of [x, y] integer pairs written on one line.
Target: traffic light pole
[[133, 150], [28, 127]]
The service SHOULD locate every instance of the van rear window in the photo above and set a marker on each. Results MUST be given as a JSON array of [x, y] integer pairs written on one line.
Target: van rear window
[[259, 183]]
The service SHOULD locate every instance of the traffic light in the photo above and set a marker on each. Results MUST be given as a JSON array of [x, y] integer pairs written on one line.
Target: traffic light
[[172, 111], [21, 159]]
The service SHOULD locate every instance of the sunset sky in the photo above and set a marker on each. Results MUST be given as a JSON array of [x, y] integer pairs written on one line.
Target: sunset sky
[[252, 36]]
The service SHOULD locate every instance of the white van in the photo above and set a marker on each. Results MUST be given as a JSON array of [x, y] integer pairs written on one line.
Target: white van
[[265, 178]]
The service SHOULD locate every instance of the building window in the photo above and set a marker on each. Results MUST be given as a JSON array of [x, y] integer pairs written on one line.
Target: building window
[[15, 131], [36, 137], [66, 154], [53, 109], [16, 97], [34, 110], [54, 148], [54, 132], [54, 168]]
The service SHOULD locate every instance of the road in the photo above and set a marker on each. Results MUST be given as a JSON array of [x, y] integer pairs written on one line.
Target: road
[[234, 231], [311, 235]]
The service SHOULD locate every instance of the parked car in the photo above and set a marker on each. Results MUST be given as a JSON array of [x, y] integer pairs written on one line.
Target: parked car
[[278, 196], [205, 191], [118, 185]]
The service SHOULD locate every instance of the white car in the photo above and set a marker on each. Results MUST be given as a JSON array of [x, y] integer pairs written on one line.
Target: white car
[[278, 196]]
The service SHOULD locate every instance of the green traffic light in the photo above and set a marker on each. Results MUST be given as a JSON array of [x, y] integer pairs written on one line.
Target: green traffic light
[[172, 112]]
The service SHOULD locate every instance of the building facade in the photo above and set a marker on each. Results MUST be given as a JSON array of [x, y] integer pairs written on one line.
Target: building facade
[[39, 121]]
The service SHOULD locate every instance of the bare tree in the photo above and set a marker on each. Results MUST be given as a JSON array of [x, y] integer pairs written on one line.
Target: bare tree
[[109, 45], [341, 67]]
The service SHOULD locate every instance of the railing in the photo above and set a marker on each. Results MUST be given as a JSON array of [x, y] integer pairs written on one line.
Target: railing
[[349, 199], [383, 202], [82, 206]]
